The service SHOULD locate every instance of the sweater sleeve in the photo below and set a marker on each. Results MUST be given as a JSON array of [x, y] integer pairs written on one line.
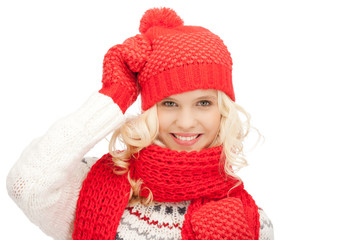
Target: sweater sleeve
[[46, 180], [266, 227]]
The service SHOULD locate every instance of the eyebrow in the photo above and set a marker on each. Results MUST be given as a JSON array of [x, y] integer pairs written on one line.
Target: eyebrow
[[202, 97], [207, 96]]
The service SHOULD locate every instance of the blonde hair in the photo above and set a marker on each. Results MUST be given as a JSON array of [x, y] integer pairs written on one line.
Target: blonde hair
[[140, 131]]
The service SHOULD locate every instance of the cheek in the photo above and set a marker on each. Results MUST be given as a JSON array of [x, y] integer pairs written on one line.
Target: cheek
[[164, 120], [214, 124]]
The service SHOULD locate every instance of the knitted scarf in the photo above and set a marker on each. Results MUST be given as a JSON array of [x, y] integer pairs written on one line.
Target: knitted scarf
[[171, 176]]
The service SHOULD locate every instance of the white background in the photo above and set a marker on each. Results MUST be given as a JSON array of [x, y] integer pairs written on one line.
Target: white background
[[296, 71]]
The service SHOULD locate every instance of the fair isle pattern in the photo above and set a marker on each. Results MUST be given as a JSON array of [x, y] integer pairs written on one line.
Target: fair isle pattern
[[163, 221], [266, 227], [158, 221]]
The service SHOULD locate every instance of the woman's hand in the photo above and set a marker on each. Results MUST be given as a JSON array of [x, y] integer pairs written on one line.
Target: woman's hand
[[121, 65], [223, 219], [119, 82]]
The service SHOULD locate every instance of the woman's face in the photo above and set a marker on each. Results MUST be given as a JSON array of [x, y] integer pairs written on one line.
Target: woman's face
[[189, 121]]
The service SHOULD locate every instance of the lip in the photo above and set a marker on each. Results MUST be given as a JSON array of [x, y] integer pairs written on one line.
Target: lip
[[184, 142], [186, 134]]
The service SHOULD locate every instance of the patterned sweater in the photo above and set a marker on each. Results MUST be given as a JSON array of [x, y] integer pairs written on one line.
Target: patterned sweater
[[46, 180]]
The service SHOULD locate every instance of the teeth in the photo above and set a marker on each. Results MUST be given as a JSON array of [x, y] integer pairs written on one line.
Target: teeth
[[186, 138]]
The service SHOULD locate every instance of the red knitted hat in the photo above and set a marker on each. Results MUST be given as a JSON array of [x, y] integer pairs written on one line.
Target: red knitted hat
[[169, 58]]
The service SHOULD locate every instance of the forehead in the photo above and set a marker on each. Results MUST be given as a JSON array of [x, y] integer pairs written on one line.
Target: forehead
[[192, 95]]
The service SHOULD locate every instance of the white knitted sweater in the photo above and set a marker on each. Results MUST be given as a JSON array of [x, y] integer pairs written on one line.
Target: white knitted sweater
[[46, 180]]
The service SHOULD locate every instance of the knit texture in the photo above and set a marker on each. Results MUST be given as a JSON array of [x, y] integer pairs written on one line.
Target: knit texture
[[120, 64], [266, 231], [176, 176], [164, 220], [46, 179], [171, 176], [163, 17], [224, 219], [167, 58], [191, 58], [103, 198], [158, 221]]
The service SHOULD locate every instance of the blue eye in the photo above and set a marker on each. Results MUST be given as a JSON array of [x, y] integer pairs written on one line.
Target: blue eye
[[205, 103], [169, 104]]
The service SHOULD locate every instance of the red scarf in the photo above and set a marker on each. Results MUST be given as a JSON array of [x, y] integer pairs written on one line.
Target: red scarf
[[171, 176]]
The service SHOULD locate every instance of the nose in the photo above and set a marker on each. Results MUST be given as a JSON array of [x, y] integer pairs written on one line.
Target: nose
[[186, 119]]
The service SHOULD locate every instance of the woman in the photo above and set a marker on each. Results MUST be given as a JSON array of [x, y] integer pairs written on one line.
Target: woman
[[176, 178]]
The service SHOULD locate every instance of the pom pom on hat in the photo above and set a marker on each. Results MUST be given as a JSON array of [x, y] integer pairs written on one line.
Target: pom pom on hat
[[161, 17]]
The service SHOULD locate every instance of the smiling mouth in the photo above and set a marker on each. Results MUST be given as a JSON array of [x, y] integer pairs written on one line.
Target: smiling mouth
[[186, 138]]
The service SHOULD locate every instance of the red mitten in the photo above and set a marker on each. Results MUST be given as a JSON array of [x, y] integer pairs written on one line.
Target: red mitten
[[120, 67], [224, 219]]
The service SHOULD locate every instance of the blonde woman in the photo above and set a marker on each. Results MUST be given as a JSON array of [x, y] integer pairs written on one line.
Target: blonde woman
[[175, 177]]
